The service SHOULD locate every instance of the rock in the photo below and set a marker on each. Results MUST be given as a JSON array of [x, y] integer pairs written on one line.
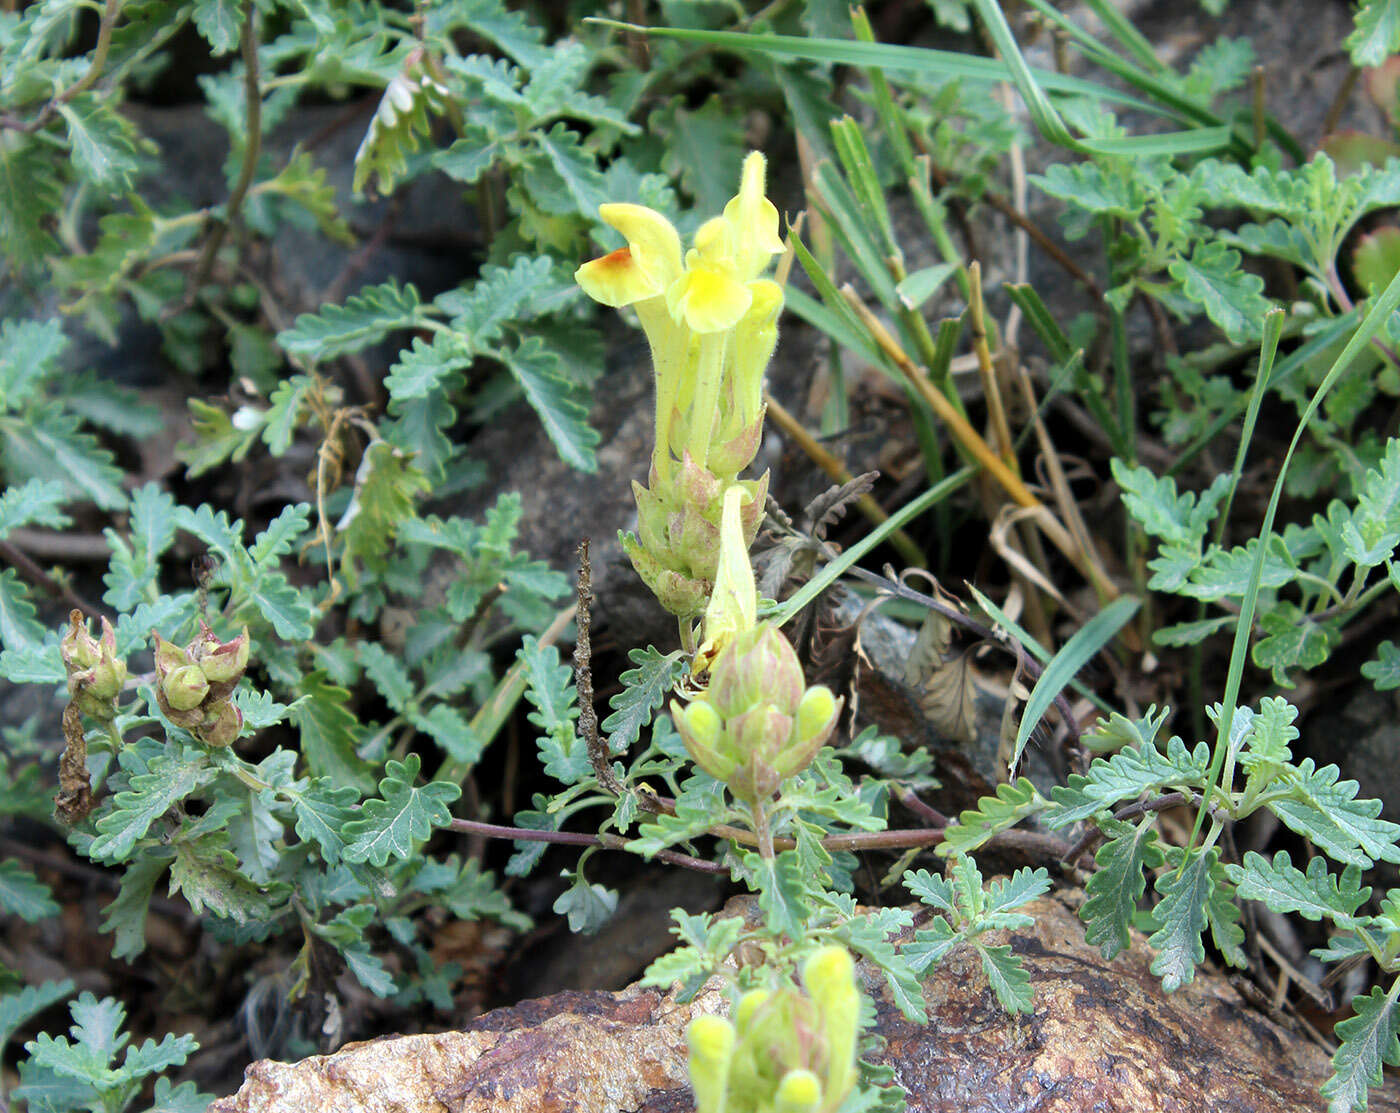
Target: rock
[[571, 1051], [1103, 1037]]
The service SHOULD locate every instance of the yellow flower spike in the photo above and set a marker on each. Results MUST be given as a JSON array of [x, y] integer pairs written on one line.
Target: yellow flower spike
[[643, 269], [734, 600], [713, 241]]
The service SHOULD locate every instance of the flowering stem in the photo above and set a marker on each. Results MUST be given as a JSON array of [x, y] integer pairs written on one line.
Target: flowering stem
[[762, 830], [708, 376]]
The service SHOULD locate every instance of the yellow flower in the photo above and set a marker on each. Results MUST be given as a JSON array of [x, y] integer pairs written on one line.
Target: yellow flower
[[644, 269], [710, 292], [734, 602]]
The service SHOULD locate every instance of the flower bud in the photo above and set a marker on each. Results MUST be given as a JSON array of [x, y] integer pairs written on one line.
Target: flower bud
[[710, 1041], [702, 731], [169, 657], [798, 1092], [185, 687], [79, 649], [760, 666], [95, 672], [816, 715], [222, 662], [829, 977], [221, 726]]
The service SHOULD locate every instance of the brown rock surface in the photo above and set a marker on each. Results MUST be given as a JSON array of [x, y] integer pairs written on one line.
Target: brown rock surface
[[1103, 1038]]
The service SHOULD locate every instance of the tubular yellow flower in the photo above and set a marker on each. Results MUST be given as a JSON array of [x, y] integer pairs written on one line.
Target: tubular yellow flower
[[753, 221], [734, 602]]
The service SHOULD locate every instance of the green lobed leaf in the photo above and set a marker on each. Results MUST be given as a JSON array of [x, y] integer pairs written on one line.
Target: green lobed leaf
[[1223, 915], [422, 368], [1117, 885], [48, 443], [28, 351], [993, 814], [569, 182], [1232, 297], [322, 810], [1368, 1038], [31, 193], [330, 733], [1022, 887], [17, 1009], [22, 894], [1384, 671], [1227, 573], [102, 142], [784, 891], [1181, 917], [306, 185], [282, 533], [20, 629], [557, 401], [219, 22], [1008, 978], [393, 826], [1372, 532], [1322, 808], [170, 778], [399, 128], [644, 690], [34, 502], [287, 400], [1125, 776], [1377, 33], [551, 691], [705, 152], [587, 905], [1316, 894], [272, 597], [370, 971], [125, 916], [386, 485], [1292, 640], [184, 1098], [387, 673], [366, 318], [1162, 513]]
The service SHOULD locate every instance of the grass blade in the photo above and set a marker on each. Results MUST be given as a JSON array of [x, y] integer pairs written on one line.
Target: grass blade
[[1065, 665], [787, 610]]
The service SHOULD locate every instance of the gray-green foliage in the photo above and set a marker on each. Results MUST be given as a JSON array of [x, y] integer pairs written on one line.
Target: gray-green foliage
[[1316, 577], [335, 816]]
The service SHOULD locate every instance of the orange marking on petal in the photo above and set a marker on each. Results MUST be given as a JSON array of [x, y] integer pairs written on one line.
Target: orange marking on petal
[[622, 257]]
